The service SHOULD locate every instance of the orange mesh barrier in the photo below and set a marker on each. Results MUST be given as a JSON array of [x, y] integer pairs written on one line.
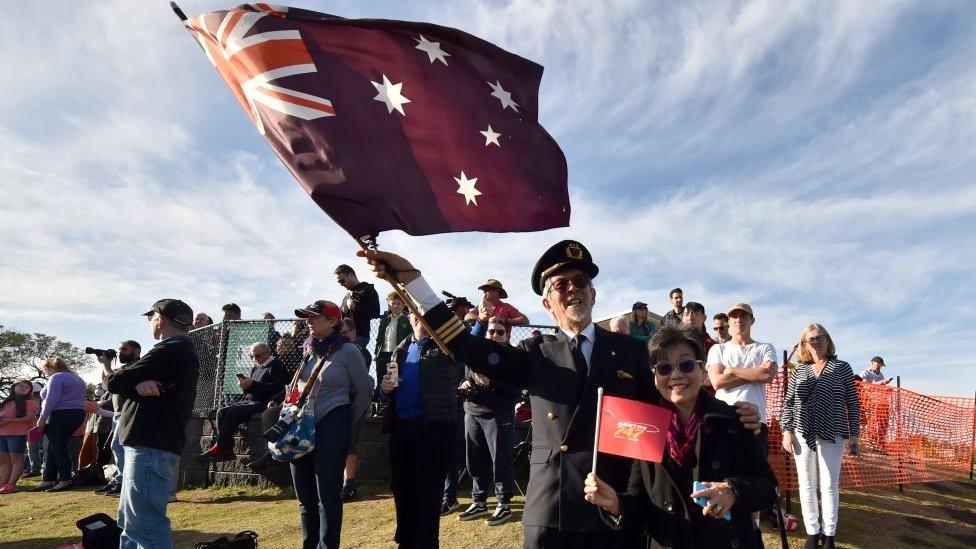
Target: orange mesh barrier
[[906, 437]]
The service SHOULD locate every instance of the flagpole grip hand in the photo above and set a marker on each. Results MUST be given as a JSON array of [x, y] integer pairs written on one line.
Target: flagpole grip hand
[[601, 494], [387, 265]]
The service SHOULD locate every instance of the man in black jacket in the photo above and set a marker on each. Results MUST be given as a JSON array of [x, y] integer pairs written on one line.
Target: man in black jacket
[[420, 417], [158, 392], [489, 434], [561, 373], [361, 302], [267, 379]]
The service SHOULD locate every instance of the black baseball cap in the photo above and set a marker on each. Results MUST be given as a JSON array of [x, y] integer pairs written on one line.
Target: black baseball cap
[[878, 359], [174, 310], [639, 305]]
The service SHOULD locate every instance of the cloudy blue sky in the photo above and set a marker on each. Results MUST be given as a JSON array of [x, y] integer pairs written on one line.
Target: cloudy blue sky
[[814, 158]]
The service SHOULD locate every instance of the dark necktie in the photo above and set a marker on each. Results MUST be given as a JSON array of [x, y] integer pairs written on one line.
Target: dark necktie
[[578, 359]]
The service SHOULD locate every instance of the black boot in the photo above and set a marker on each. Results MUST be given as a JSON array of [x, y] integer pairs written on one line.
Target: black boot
[[812, 542], [261, 463], [828, 542]]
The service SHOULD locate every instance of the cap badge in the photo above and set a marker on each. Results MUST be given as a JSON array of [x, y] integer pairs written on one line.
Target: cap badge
[[573, 251]]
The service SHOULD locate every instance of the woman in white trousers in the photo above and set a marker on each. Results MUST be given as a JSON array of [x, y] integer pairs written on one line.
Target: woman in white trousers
[[821, 413]]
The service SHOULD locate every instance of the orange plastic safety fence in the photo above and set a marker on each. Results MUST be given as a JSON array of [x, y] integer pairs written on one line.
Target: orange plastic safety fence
[[906, 437]]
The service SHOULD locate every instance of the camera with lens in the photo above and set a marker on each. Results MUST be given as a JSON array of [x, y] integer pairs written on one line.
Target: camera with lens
[[278, 430], [110, 353], [471, 393]]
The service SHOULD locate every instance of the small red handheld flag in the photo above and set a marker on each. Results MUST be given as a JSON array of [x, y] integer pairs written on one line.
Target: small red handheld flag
[[633, 429]]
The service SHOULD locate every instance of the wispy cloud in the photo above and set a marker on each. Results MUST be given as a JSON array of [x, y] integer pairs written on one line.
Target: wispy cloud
[[812, 158]]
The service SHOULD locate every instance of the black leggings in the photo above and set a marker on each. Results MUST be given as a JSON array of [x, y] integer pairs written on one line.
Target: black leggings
[[60, 426]]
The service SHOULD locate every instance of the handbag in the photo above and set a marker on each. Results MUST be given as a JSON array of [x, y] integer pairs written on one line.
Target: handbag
[[243, 540], [297, 421]]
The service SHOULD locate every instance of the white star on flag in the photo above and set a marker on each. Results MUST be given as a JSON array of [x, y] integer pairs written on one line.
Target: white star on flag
[[491, 136], [466, 187], [390, 94], [506, 98], [432, 49]]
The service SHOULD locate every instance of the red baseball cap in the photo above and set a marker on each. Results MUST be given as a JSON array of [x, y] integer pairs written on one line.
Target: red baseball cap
[[320, 308]]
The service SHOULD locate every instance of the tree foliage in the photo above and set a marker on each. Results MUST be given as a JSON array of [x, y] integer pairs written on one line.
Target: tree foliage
[[22, 356]]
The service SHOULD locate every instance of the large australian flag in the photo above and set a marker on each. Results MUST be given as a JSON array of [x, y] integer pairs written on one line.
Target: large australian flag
[[393, 124]]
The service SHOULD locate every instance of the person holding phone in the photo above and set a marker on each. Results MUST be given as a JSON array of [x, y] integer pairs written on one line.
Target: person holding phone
[[822, 408], [709, 455], [266, 380], [420, 387]]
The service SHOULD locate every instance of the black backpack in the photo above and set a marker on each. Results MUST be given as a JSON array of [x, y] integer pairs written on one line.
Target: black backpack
[[99, 531], [243, 540]]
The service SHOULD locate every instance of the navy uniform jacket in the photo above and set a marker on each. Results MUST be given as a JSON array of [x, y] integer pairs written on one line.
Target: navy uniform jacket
[[563, 418]]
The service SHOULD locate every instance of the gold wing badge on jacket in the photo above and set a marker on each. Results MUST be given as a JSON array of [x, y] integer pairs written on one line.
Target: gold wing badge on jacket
[[624, 375]]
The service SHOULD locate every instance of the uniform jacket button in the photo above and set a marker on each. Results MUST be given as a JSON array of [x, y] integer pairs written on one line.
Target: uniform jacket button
[[668, 506], [564, 448], [716, 465], [734, 544], [551, 416]]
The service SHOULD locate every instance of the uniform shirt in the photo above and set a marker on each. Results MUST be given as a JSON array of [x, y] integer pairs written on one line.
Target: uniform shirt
[[743, 356], [871, 377]]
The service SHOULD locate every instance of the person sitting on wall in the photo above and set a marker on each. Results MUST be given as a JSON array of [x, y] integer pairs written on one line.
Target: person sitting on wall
[[267, 379]]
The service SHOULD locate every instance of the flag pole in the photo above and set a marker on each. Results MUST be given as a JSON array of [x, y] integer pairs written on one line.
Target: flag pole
[[176, 9], [596, 438], [369, 243]]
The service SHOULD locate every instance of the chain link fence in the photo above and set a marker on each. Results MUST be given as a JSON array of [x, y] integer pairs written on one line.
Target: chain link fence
[[224, 350]]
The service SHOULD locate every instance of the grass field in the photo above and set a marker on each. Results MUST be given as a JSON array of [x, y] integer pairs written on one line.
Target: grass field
[[931, 515]]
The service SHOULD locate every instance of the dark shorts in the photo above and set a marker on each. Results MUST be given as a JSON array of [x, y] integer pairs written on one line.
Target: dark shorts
[[13, 444]]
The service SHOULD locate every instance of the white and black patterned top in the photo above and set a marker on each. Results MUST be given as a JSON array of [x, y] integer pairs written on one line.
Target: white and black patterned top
[[822, 407]]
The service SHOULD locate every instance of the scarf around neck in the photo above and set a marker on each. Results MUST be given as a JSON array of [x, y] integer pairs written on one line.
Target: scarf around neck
[[682, 438]]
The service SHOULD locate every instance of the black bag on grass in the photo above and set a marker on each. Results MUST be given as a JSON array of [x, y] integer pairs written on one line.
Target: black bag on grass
[[243, 540], [99, 531]]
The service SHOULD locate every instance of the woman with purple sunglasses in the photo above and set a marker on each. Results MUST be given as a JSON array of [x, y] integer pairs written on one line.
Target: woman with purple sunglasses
[[705, 443]]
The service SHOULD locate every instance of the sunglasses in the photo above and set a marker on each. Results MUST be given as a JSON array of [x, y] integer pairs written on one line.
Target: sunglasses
[[561, 285], [817, 339], [496, 332], [687, 366]]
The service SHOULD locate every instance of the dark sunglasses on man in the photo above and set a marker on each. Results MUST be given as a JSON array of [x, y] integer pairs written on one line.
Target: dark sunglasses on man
[[494, 331], [561, 285]]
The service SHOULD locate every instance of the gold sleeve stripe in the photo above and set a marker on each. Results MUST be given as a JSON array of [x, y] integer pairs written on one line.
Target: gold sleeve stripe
[[452, 333], [451, 324]]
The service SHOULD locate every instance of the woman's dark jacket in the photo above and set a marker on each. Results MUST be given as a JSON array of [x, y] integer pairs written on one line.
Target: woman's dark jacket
[[657, 510], [439, 379]]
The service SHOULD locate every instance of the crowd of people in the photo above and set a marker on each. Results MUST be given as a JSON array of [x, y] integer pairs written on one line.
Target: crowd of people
[[460, 390]]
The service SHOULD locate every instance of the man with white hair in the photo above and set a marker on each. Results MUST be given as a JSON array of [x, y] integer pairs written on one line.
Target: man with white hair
[[561, 373], [266, 380], [620, 325]]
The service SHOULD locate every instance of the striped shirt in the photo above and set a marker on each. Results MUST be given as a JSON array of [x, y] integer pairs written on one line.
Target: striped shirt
[[822, 407]]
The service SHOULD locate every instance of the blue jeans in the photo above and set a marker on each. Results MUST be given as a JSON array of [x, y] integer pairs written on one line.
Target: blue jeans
[[117, 447], [148, 479], [318, 480]]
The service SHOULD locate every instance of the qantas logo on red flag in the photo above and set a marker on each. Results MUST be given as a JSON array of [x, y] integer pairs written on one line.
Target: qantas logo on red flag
[[633, 431], [250, 63]]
